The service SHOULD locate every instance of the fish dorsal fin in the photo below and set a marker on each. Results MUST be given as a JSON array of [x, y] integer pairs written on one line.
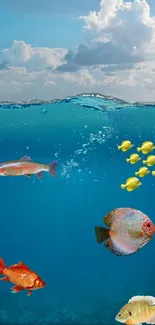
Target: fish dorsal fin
[[19, 264], [26, 158], [149, 299]]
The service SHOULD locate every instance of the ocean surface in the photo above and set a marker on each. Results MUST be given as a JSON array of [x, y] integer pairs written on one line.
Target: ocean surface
[[49, 224]]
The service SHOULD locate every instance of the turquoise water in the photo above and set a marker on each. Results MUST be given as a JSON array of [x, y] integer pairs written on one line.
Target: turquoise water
[[49, 224]]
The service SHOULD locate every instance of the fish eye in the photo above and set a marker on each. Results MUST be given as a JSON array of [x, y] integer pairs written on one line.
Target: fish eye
[[148, 225], [119, 315], [130, 313]]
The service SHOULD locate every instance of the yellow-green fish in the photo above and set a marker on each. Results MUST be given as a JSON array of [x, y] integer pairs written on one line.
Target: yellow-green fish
[[146, 147], [138, 310], [134, 158], [125, 145], [131, 184], [150, 161], [143, 171]]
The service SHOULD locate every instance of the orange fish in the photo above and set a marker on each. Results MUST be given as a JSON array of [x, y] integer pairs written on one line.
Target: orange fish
[[129, 230], [23, 278], [25, 166]]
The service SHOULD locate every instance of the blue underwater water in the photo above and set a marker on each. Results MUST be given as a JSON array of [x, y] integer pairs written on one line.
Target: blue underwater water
[[49, 224]]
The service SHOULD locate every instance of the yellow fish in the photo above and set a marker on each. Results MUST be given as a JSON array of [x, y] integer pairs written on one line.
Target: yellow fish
[[150, 161], [131, 184], [134, 158], [125, 145], [143, 171], [138, 310], [146, 147]]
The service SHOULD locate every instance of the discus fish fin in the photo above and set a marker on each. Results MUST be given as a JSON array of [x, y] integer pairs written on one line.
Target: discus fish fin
[[139, 149], [123, 186], [16, 289], [39, 175], [119, 147], [101, 234], [29, 293], [52, 168], [28, 175], [149, 299]]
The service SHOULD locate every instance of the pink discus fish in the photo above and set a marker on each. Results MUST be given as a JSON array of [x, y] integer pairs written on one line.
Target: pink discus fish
[[129, 230]]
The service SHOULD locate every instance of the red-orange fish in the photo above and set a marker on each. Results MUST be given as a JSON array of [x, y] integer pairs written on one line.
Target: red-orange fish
[[129, 230], [23, 278], [25, 166]]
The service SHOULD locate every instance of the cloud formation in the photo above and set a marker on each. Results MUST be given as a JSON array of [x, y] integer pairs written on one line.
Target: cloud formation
[[118, 58]]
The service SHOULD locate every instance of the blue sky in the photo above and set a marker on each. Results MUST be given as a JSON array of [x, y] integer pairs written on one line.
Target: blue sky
[[47, 48]]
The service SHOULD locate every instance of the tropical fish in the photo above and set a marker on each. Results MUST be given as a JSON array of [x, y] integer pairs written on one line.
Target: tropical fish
[[125, 145], [25, 166], [131, 184], [138, 310], [20, 275], [146, 147], [128, 231], [150, 161], [143, 171], [134, 158]]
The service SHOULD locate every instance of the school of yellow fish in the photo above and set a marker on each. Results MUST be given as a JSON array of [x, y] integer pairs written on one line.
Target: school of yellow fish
[[132, 183]]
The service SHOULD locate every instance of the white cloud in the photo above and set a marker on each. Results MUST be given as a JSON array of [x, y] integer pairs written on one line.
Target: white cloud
[[33, 58]]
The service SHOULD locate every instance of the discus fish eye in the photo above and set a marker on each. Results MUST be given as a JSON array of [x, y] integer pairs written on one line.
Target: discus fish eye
[[148, 225], [119, 315], [130, 313]]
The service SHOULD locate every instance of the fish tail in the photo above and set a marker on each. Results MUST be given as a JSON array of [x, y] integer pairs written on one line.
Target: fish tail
[[136, 173], [123, 186], [139, 149], [101, 234], [119, 147], [144, 161], [52, 168], [2, 266], [127, 159]]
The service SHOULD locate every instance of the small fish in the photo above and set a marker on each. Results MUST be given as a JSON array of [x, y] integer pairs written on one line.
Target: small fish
[[146, 147], [138, 310], [128, 231], [131, 184], [25, 166], [150, 161], [20, 275], [143, 171], [134, 158], [125, 145]]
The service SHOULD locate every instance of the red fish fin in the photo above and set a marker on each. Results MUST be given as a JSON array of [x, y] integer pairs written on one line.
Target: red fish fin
[[27, 175], [39, 175], [26, 158], [101, 234], [2, 266], [4, 279], [19, 264], [16, 289], [29, 293], [52, 168]]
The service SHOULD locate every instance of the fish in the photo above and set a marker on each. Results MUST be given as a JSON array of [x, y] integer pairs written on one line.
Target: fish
[[131, 184], [25, 166], [128, 231], [134, 158], [143, 171], [20, 275], [146, 147], [125, 146], [138, 310], [150, 161]]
